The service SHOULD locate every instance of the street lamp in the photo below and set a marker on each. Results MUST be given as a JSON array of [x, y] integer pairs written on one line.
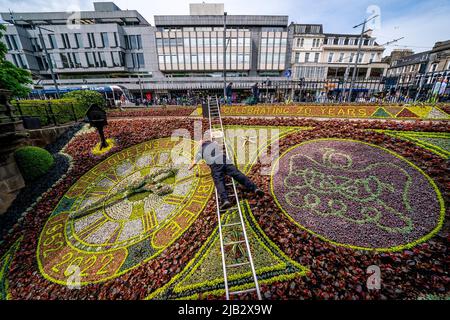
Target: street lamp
[[47, 56], [358, 53], [224, 55]]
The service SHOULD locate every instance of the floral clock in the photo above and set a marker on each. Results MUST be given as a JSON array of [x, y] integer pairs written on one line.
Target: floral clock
[[124, 211]]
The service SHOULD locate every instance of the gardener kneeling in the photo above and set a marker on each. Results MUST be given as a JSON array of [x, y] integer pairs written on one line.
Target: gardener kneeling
[[220, 166]]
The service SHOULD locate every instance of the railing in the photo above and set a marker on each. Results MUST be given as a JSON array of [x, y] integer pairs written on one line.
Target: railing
[[48, 112]]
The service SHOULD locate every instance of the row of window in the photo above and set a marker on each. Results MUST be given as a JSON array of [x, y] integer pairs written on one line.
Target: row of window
[[274, 59], [213, 58], [201, 42], [333, 57], [19, 61], [307, 57], [349, 57], [300, 42], [200, 29], [78, 41], [98, 60], [309, 72], [348, 41], [12, 42], [271, 42]]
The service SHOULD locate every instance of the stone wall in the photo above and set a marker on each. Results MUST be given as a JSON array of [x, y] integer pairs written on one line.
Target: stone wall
[[11, 182], [45, 136]]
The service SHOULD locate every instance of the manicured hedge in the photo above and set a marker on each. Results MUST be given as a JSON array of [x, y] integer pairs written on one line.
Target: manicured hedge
[[63, 110], [33, 162]]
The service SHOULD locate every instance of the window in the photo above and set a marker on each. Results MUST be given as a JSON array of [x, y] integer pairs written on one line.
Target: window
[[161, 59], [316, 57], [90, 59], [341, 57], [116, 41], [78, 40], [91, 40], [314, 43], [194, 59], [76, 60], [372, 57], [115, 58], [102, 60], [330, 57], [64, 60], [52, 40], [65, 40], [105, 40], [35, 44], [307, 57], [15, 42], [181, 59], [361, 57], [341, 41], [22, 61], [297, 57], [352, 55], [140, 59], [8, 43]]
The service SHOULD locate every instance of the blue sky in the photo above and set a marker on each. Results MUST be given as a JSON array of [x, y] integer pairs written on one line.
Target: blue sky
[[421, 22]]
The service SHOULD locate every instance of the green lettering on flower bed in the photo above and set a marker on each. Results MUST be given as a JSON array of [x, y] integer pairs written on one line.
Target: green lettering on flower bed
[[356, 194]]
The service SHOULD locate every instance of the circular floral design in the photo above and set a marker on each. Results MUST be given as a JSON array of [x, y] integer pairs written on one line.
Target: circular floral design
[[357, 194], [122, 212]]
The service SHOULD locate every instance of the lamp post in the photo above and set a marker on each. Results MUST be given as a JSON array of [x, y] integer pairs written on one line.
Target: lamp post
[[224, 56], [358, 53], [47, 56]]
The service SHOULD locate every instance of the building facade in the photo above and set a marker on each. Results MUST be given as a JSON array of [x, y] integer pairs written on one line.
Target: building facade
[[110, 46], [105, 46], [193, 50], [320, 56], [415, 74]]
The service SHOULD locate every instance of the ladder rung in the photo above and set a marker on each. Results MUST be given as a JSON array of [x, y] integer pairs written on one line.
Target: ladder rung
[[225, 210], [234, 242], [231, 224], [237, 264], [243, 291]]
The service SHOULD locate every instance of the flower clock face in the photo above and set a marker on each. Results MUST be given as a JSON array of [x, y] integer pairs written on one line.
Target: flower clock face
[[357, 195], [124, 211]]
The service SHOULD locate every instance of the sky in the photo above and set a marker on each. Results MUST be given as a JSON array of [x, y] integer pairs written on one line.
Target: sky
[[420, 22]]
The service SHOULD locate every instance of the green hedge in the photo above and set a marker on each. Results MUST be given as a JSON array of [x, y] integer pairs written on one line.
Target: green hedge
[[72, 105], [64, 110], [33, 162]]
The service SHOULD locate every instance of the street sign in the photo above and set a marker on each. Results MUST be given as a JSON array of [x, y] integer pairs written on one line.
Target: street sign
[[288, 73]]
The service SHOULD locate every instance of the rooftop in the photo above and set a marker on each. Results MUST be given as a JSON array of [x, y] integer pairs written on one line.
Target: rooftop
[[105, 12]]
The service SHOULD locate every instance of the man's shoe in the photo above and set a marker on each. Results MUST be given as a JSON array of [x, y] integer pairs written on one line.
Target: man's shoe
[[225, 205], [259, 192]]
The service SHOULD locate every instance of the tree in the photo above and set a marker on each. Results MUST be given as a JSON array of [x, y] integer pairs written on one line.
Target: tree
[[11, 77], [86, 97]]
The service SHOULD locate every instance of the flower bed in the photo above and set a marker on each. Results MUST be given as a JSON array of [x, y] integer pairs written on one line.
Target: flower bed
[[153, 112], [338, 111], [291, 262], [357, 195]]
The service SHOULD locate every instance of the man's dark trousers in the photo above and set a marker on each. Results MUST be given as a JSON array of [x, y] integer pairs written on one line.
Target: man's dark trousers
[[218, 172]]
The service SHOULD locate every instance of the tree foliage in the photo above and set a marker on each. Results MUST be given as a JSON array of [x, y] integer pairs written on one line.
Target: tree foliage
[[11, 77], [86, 97]]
